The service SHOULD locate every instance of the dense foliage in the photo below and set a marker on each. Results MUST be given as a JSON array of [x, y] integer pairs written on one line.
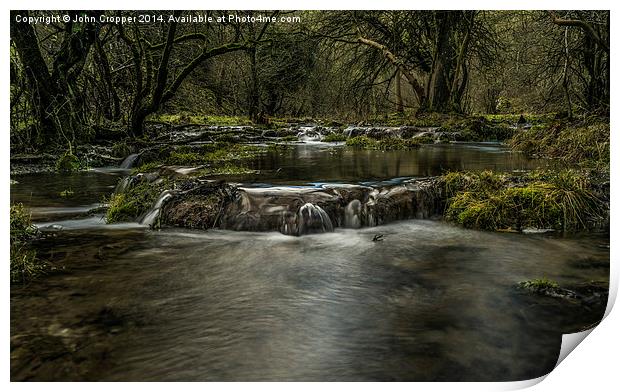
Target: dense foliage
[[78, 81]]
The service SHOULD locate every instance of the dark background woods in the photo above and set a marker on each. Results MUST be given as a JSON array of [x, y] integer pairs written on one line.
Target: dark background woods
[[71, 82]]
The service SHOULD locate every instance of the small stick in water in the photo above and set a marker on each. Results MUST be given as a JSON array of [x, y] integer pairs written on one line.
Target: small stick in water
[[377, 237]]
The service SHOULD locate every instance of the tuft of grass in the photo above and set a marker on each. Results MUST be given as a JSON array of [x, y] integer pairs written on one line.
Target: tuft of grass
[[24, 262]]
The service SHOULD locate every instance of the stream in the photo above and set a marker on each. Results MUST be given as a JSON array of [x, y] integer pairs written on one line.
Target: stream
[[428, 301]]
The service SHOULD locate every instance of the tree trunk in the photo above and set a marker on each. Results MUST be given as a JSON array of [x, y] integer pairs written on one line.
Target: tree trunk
[[444, 65], [42, 89], [399, 97]]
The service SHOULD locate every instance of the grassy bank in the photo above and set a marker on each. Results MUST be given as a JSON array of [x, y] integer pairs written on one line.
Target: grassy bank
[[565, 200], [583, 142]]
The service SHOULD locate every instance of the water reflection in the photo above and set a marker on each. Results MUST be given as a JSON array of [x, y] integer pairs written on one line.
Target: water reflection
[[328, 162]]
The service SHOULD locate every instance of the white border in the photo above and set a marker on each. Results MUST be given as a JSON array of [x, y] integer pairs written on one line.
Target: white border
[[592, 366]]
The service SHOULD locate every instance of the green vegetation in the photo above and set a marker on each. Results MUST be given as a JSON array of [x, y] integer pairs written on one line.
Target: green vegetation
[[477, 129], [67, 163], [225, 169], [121, 149], [67, 193], [585, 142], [190, 118], [382, 144], [290, 138], [560, 200], [335, 137], [24, 263], [134, 201], [539, 285], [207, 154]]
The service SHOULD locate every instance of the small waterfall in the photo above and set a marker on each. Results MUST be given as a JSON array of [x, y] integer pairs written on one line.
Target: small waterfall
[[313, 219], [310, 134], [152, 215], [122, 185], [352, 214], [129, 161]]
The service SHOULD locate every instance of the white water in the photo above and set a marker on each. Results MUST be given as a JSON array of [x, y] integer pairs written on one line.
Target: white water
[[313, 219], [152, 215], [129, 161], [352, 214]]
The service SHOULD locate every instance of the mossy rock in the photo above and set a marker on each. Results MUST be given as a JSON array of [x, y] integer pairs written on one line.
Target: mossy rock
[[67, 163]]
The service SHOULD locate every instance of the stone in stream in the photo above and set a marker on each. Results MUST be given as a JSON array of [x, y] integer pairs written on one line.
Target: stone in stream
[[203, 204]]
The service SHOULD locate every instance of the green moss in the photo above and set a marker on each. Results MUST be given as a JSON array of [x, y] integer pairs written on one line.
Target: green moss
[[184, 158], [424, 139], [147, 168], [335, 137], [67, 163], [489, 201], [225, 169], [538, 285], [134, 201], [290, 138], [360, 142], [367, 143], [202, 155], [190, 118], [477, 129]]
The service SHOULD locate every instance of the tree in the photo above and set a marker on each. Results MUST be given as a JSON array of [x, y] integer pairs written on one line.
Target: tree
[[154, 83], [53, 89]]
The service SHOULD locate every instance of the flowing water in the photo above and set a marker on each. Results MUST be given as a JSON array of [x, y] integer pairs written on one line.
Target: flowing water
[[411, 300]]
